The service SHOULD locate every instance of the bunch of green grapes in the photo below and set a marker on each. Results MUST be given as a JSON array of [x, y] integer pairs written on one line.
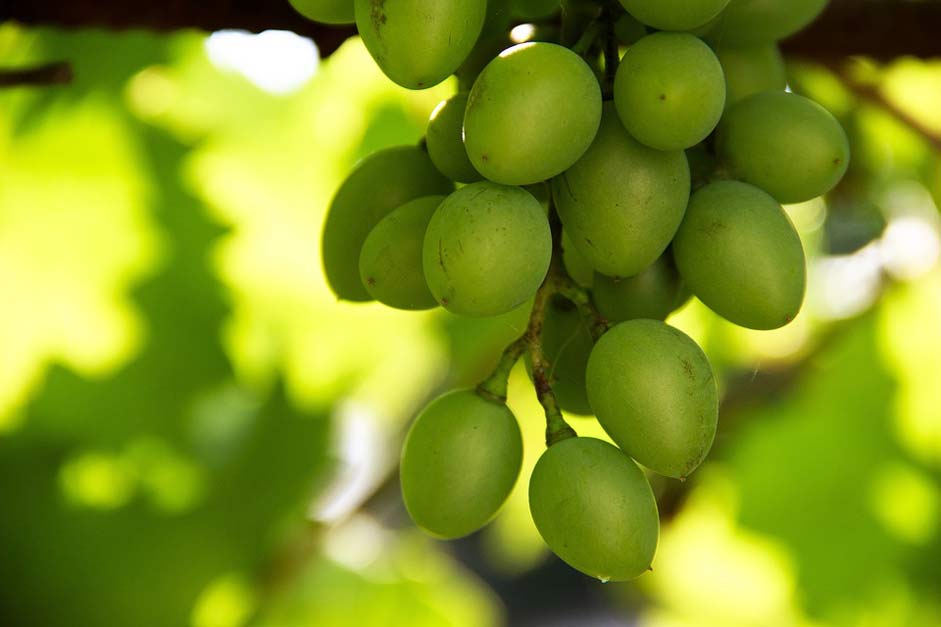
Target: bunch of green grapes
[[636, 156]]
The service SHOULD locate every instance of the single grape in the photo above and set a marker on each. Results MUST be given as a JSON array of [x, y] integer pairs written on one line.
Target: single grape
[[325, 11], [594, 508], [445, 140], [566, 345], [786, 144], [675, 15], [460, 460], [532, 113], [757, 22], [655, 293], [622, 202], [751, 70], [653, 391], [380, 183], [669, 90], [535, 9], [739, 253], [390, 263], [487, 249], [575, 263], [418, 43]]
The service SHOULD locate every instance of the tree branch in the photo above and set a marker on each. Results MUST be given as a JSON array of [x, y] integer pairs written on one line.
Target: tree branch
[[58, 73], [882, 29]]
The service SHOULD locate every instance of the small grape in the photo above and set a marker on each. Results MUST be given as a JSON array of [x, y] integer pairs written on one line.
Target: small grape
[[654, 393], [445, 140], [622, 202], [655, 293], [532, 113], [575, 263], [669, 90], [751, 70], [594, 508], [739, 253], [535, 9], [675, 15], [390, 263], [487, 249], [380, 183], [757, 22], [566, 345], [325, 11], [418, 43], [460, 460], [628, 30], [786, 144]]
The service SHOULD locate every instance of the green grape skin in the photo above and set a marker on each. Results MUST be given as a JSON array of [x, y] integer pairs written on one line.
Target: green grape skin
[[751, 70], [445, 140], [786, 144], [654, 393], [741, 256], [381, 182], [460, 460], [595, 509], [575, 264], [418, 43], [390, 262], [535, 9], [487, 249], [669, 91], [566, 345], [494, 39], [325, 11], [622, 202], [628, 30], [757, 22], [675, 15], [655, 293], [512, 127]]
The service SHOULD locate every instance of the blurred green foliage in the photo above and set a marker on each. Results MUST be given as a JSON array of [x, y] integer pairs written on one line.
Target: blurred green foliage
[[177, 384]]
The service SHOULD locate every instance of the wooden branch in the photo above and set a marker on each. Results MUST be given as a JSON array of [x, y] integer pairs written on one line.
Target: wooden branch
[[50, 74], [882, 29]]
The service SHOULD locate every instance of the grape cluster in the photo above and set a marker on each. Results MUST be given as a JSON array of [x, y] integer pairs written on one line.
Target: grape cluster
[[627, 157]]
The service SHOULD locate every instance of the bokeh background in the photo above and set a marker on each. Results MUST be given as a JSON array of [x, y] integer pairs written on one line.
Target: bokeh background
[[194, 432]]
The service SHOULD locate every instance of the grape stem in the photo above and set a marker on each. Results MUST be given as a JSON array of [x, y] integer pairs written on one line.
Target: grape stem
[[495, 385], [589, 35], [612, 56]]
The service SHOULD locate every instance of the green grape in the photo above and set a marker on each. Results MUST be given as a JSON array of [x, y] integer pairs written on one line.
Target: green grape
[[494, 39], [566, 345], [653, 391], [655, 293], [676, 15], [669, 90], [390, 263], [380, 183], [445, 140], [325, 11], [460, 460], [418, 43], [628, 30], [532, 113], [739, 253], [575, 263], [594, 508], [487, 249], [756, 22], [751, 70], [786, 144], [535, 9], [622, 202]]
